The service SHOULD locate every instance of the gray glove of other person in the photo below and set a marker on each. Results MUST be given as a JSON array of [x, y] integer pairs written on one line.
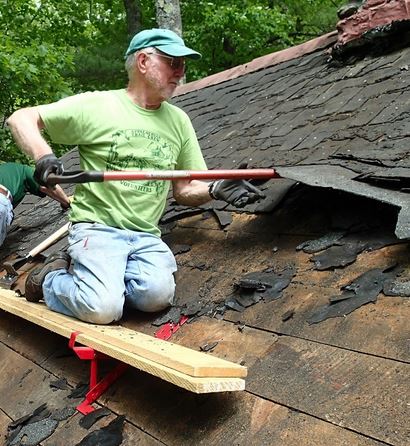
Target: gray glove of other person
[[238, 193]]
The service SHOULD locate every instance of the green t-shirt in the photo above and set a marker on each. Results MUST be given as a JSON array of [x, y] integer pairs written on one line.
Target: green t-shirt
[[18, 179], [113, 133]]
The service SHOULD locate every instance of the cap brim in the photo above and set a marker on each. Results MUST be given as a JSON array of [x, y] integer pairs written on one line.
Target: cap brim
[[179, 51]]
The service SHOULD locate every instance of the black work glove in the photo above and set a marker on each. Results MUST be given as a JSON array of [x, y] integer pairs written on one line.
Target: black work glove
[[238, 193], [45, 165]]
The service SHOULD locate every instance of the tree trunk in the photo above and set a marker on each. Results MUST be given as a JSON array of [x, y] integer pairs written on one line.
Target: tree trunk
[[169, 15], [133, 16]]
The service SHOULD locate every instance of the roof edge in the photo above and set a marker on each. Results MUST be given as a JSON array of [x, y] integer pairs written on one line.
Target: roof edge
[[259, 63]]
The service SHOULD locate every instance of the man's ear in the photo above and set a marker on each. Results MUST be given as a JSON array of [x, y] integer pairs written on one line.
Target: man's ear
[[141, 62]]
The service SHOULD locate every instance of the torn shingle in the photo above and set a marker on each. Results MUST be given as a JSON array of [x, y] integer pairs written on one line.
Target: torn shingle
[[32, 429], [191, 308], [337, 256], [349, 246], [394, 288], [79, 392], [34, 433], [224, 218], [91, 418], [288, 315], [246, 299], [180, 249], [173, 314], [111, 435], [60, 384], [264, 285], [361, 291], [324, 242], [232, 304], [208, 346]]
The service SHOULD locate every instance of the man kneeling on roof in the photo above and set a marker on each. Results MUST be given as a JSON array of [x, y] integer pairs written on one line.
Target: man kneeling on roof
[[114, 241], [16, 180]]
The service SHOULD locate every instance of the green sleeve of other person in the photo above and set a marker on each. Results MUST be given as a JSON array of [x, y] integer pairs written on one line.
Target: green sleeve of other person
[[18, 179]]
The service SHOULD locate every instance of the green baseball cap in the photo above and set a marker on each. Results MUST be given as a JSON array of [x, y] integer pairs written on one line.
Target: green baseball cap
[[164, 40]]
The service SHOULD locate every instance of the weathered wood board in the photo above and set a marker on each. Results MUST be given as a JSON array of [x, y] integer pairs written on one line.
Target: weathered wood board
[[192, 370], [343, 387], [159, 413], [380, 329], [242, 418]]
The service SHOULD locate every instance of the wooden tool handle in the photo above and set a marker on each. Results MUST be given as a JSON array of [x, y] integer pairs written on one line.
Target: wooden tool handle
[[49, 240]]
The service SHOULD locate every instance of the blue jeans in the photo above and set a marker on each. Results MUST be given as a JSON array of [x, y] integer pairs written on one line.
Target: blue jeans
[[6, 216], [111, 267]]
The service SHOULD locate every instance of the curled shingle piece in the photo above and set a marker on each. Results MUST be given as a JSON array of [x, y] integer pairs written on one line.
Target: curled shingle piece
[[324, 242], [361, 291], [110, 435]]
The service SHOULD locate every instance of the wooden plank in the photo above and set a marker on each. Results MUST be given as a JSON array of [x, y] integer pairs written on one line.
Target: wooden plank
[[381, 329], [27, 339], [4, 422], [360, 392], [24, 386], [171, 355], [102, 339], [346, 388], [125, 339], [183, 419], [176, 417], [75, 433]]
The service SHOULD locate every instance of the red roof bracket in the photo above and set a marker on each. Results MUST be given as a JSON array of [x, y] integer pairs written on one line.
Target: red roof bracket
[[96, 388]]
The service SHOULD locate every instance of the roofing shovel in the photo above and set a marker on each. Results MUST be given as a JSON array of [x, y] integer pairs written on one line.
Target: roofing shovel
[[12, 266], [93, 176]]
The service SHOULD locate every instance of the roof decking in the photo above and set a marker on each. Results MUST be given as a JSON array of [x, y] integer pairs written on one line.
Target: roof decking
[[343, 381]]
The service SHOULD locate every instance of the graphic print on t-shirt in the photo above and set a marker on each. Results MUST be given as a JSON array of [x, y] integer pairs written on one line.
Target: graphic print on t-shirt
[[139, 149]]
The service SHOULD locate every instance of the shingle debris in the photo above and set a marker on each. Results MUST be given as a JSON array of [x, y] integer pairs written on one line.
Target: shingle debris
[[266, 285], [91, 418], [60, 384], [342, 250], [180, 249], [209, 346], [111, 435], [399, 285], [361, 291], [33, 428], [80, 391]]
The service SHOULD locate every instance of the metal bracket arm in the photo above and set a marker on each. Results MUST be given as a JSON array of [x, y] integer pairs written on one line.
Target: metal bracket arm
[[96, 388]]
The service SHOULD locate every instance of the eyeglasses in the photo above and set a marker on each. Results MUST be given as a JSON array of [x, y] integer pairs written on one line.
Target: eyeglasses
[[176, 63]]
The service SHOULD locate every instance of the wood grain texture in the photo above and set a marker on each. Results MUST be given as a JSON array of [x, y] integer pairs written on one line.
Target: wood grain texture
[[380, 329], [361, 392], [4, 422], [122, 344], [356, 391], [24, 386], [180, 418]]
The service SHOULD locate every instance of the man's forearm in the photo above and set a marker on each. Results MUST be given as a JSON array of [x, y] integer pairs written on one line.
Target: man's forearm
[[25, 126], [58, 194], [191, 193]]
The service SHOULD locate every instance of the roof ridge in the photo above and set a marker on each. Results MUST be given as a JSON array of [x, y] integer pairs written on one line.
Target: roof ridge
[[260, 62]]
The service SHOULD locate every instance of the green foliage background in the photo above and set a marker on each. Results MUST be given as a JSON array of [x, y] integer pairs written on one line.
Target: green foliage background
[[53, 48]]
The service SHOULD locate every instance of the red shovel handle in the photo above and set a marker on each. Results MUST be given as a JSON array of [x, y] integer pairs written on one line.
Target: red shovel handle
[[95, 176]]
